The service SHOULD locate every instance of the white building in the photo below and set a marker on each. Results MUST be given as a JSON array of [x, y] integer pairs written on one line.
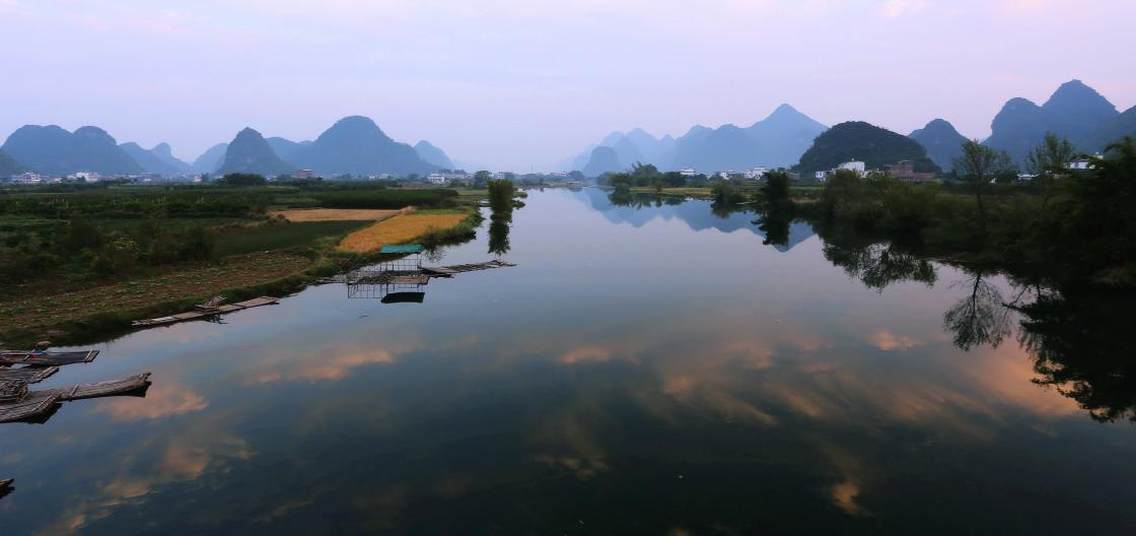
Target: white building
[[436, 178], [856, 166], [85, 176], [29, 177], [687, 172], [1082, 164], [755, 173]]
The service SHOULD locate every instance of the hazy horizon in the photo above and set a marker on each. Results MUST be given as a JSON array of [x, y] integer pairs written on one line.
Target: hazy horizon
[[513, 85]]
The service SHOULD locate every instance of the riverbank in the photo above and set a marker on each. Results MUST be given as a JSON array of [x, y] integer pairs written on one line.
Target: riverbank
[[85, 274], [72, 316]]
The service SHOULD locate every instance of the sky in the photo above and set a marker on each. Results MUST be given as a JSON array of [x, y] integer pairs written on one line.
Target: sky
[[524, 84]]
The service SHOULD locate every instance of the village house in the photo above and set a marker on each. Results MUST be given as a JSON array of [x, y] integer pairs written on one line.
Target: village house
[[904, 170]]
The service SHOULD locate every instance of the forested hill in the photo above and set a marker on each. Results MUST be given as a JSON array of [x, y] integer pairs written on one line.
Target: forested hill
[[8, 165], [857, 140], [250, 153], [942, 142]]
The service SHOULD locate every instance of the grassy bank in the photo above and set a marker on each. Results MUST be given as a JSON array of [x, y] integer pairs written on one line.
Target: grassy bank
[[80, 265]]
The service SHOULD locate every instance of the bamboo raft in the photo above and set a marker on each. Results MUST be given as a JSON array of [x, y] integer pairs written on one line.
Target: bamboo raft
[[34, 406], [46, 359], [420, 276], [122, 386], [27, 374], [206, 311], [446, 271]]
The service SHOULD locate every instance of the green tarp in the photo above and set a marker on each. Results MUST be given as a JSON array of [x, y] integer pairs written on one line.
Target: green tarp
[[404, 249]]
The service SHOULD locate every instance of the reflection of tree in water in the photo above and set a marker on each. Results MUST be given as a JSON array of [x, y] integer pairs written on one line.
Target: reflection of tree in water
[[880, 265], [980, 317], [622, 197], [774, 224], [499, 232], [1081, 344], [434, 254], [876, 264], [723, 210]]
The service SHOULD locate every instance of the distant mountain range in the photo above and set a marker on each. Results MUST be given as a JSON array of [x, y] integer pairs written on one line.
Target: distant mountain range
[[53, 150], [355, 145], [603, 159], [250, 153], [1075, 111], [8, 165], [210, 161], [942, 142], [857, 140], [286, 149], [159, 160], [776, 141], [433, 155]]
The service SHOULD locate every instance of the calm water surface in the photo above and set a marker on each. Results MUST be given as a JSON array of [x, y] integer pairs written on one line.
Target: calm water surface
[[652, 369]]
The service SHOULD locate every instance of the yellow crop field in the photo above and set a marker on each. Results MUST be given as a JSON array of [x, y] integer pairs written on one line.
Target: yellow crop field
[[398, 230]]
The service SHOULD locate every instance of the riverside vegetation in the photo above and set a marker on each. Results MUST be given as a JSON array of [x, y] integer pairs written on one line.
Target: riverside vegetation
[[1064, 227], [78, 259]]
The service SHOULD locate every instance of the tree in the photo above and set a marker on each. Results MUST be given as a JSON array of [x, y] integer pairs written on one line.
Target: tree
[[640, 169], [842, 189], [1051, 157], [243, 179], [1050, 160], [620, 181], [776, 187], [977, 166], [501, 196], [482, 178]]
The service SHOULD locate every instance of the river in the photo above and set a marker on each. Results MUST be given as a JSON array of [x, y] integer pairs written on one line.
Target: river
[[654, 368]]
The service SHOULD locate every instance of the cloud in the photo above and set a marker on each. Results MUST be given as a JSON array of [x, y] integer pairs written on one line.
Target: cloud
[[899, 8]]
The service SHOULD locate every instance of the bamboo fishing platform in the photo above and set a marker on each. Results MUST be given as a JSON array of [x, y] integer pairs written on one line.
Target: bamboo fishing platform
[[26, 374], [205, 311], [46, 359], [17, 404], [419, 276]]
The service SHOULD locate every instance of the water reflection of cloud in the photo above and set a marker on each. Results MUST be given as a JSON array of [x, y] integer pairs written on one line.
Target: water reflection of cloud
[[184, 456], [568, 442], [846, 492], [887, 341], [585, 354], [326, 365], [163, 399]]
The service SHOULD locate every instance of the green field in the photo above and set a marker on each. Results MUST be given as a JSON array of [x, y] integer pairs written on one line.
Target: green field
[[280, 236]]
